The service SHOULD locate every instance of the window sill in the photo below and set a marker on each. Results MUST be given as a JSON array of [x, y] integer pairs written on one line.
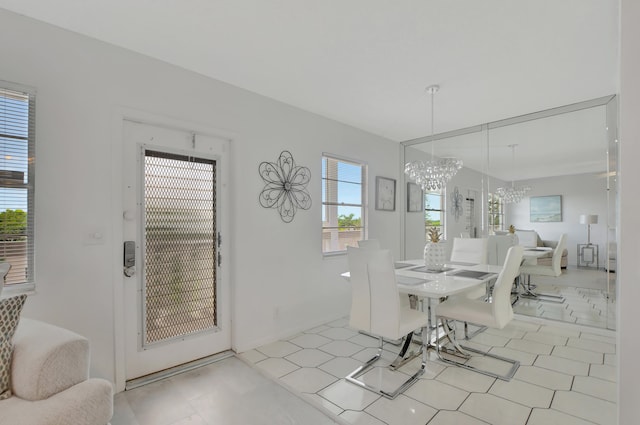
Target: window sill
[[334, 254], [24, 288]]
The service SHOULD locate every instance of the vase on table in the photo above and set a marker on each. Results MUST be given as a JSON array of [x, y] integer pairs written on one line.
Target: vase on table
[[435, 255]]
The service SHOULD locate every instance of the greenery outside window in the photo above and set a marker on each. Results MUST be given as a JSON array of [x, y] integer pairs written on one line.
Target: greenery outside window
[[434, 212], [496, 213], [344, 190], [17, 154]]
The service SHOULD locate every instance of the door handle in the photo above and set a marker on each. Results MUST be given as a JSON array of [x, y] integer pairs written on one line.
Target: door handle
[[129, 258]]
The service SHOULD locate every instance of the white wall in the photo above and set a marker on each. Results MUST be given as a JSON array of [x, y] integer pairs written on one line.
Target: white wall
[[280, 280], [414, 221], [629, 223], [581, 194]]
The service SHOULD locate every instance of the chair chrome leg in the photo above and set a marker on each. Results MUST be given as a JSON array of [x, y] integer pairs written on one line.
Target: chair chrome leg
[[404, 357], [352, 377], [395, 342], [480, 329], [463, 352], [449, 333], [528, 293], [476, 332]]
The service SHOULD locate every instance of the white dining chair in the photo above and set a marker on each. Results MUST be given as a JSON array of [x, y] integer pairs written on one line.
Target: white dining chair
[[469, 250], [553, 270], [497, 248], [369, 243], [405, 299], [473, 251], [376, 310], [493, 314]]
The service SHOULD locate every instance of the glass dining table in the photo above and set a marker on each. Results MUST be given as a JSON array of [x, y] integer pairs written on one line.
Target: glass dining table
[[413, 277], [428, 286]]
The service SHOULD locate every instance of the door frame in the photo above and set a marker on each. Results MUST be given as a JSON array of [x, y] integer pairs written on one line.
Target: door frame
[[120, 115]]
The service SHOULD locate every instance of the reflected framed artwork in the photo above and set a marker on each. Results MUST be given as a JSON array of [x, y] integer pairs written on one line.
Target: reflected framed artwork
[[415, 198], [545, 209], [385, 194]]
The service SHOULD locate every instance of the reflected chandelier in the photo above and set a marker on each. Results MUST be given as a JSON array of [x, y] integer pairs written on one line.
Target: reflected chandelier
[[434, 174], [513, 194]]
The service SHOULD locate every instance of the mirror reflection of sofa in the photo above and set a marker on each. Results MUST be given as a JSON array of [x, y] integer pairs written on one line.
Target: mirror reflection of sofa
[[531, 239]]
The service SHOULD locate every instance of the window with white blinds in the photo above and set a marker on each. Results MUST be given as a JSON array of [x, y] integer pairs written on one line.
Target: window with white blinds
[[17, 149], [344, 190], [434, 212], [496, 213]]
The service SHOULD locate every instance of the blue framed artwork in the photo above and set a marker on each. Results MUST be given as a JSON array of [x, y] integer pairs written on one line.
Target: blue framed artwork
[[545, 209]]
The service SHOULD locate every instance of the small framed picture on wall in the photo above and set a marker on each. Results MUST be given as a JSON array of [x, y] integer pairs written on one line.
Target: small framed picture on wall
[[415, 198], [385, 194]]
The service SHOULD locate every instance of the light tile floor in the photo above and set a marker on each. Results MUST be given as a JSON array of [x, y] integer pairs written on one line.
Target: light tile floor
[[567, 376], [229, 392], [587, 300]]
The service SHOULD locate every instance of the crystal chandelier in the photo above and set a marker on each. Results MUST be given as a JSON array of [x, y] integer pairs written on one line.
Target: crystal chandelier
[[513, 194], [434, 174]]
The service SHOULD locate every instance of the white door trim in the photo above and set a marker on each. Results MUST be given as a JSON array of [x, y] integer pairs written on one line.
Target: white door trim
[[120, 115]]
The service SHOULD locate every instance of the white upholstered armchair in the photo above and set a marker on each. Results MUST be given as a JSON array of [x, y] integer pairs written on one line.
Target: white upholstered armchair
[[50, 381]]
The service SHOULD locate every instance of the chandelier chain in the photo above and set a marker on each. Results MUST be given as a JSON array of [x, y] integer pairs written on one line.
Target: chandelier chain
[[434, 174], [513, 194]]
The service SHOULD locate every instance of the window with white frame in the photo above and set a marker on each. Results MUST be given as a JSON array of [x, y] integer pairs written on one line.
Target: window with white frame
[[17, 163], [495, 213], [434, 212], [344, 195]]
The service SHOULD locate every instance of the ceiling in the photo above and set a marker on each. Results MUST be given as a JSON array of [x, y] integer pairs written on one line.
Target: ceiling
[[567, 143], [366, 63]]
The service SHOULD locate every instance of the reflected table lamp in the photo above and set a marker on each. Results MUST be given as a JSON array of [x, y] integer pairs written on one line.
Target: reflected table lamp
[[588, 219], [588, 254]]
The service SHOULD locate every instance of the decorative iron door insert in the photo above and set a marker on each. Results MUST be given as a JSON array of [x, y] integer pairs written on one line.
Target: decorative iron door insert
[[179, 282]]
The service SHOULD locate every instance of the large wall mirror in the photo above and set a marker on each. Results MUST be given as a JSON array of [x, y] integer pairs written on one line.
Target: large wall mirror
[[567, 155]]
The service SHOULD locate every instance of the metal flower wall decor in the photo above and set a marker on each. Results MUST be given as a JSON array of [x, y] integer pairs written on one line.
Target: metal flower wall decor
[[457, 204], [285, 186]]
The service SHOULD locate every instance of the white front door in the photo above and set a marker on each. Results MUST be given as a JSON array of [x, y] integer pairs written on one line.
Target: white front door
[[175, 209]]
